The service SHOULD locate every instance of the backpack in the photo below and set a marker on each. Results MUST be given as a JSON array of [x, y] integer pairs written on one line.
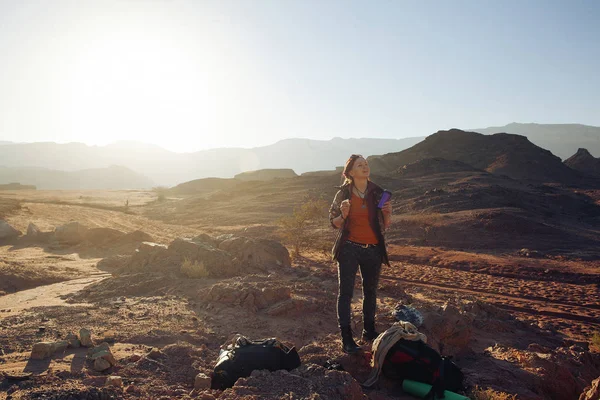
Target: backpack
[[244, 356], [415, 360]]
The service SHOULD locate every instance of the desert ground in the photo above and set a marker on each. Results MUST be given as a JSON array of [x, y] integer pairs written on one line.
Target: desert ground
[[517, 304]]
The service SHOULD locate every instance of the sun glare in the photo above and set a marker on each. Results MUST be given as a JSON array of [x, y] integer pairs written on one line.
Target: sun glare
[[137, 87]]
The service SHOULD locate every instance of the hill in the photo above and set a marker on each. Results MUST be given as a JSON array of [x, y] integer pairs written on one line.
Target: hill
[[113, 177], [500, 154], [584, 162], [265, 174], [561, 139]]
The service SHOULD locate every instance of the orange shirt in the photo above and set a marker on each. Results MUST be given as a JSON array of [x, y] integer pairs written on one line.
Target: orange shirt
[[358, 226]]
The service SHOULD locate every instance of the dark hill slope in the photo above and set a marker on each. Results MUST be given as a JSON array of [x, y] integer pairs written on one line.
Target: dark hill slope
[[501, 154]]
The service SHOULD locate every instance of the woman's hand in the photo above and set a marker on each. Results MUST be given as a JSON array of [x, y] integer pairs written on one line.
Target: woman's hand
[[345, 208], [387, 214], [387, 209]]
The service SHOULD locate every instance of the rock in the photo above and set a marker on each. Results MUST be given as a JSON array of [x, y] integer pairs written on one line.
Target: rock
[[32, 230], [591, 392], [7, 232], [85, 337], [42, 350], [114, 263], [450, 330], [204, 238], [530, 253], [115, 381], [100, 236], [218, 263], [250, 295], [102, 351], [73, 340], [100, 364], [60, 346], [155, 353], [152, 257], [261, 253], [201, 382], [71, 233], [105, 354], [101, 347]]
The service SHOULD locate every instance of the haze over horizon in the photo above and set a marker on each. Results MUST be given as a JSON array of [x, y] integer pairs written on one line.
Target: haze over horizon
[[190, 75]]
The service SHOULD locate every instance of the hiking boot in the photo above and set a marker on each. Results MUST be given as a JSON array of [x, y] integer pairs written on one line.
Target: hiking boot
[[369, 333], [348, 344]]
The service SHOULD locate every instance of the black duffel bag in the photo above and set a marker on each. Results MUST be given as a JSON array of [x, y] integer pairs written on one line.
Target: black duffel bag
[[245, 356]]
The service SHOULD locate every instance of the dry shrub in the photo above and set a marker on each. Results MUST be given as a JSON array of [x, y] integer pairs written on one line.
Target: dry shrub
[[595, 342], [193, 269], [490, 394], [299, 228]]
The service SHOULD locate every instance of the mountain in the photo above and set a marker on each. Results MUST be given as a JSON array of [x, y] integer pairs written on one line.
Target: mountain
[[113, 177], [4, 142], [584, 162], [562, 140], [167, 168], [501, 154]]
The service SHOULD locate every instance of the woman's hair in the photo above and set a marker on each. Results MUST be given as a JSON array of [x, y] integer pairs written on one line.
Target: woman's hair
[[348, 167]]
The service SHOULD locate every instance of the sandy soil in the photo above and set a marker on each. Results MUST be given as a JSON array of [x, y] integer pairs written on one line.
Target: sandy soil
[[521, 322]]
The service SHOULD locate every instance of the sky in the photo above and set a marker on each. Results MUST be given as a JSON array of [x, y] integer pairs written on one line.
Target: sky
[[192, 75]]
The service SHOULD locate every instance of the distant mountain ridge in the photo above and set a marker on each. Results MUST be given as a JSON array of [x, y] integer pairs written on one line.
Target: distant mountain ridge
[[562, 140], [167, 168]]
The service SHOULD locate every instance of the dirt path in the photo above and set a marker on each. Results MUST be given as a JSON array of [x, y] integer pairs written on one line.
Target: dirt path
[[45, 296], [567, 306]]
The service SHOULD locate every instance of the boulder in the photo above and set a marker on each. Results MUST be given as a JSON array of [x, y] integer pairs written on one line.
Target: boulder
[[71, 233], [261, 253], [252, 296], [449, 330], [591, 392], [201, 382], [151, 257], [85, 337], [33, 230], [218, 263], [114, 263], [100, 365], [7, 232], [42, 350], [73, 340], [100, 236]]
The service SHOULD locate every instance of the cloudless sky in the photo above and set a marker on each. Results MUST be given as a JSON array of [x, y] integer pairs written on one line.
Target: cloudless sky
[[190, 75]]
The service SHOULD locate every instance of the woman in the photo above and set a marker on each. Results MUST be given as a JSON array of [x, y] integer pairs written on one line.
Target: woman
[[359, 243]]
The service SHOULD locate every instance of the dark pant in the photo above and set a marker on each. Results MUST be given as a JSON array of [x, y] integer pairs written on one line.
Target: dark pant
[[350, 258]]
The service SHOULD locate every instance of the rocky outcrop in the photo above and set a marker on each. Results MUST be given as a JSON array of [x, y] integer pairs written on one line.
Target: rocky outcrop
[[7, 232], [261, 253], [591, 392], [307, 381], [71, 233], [584, 162]]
